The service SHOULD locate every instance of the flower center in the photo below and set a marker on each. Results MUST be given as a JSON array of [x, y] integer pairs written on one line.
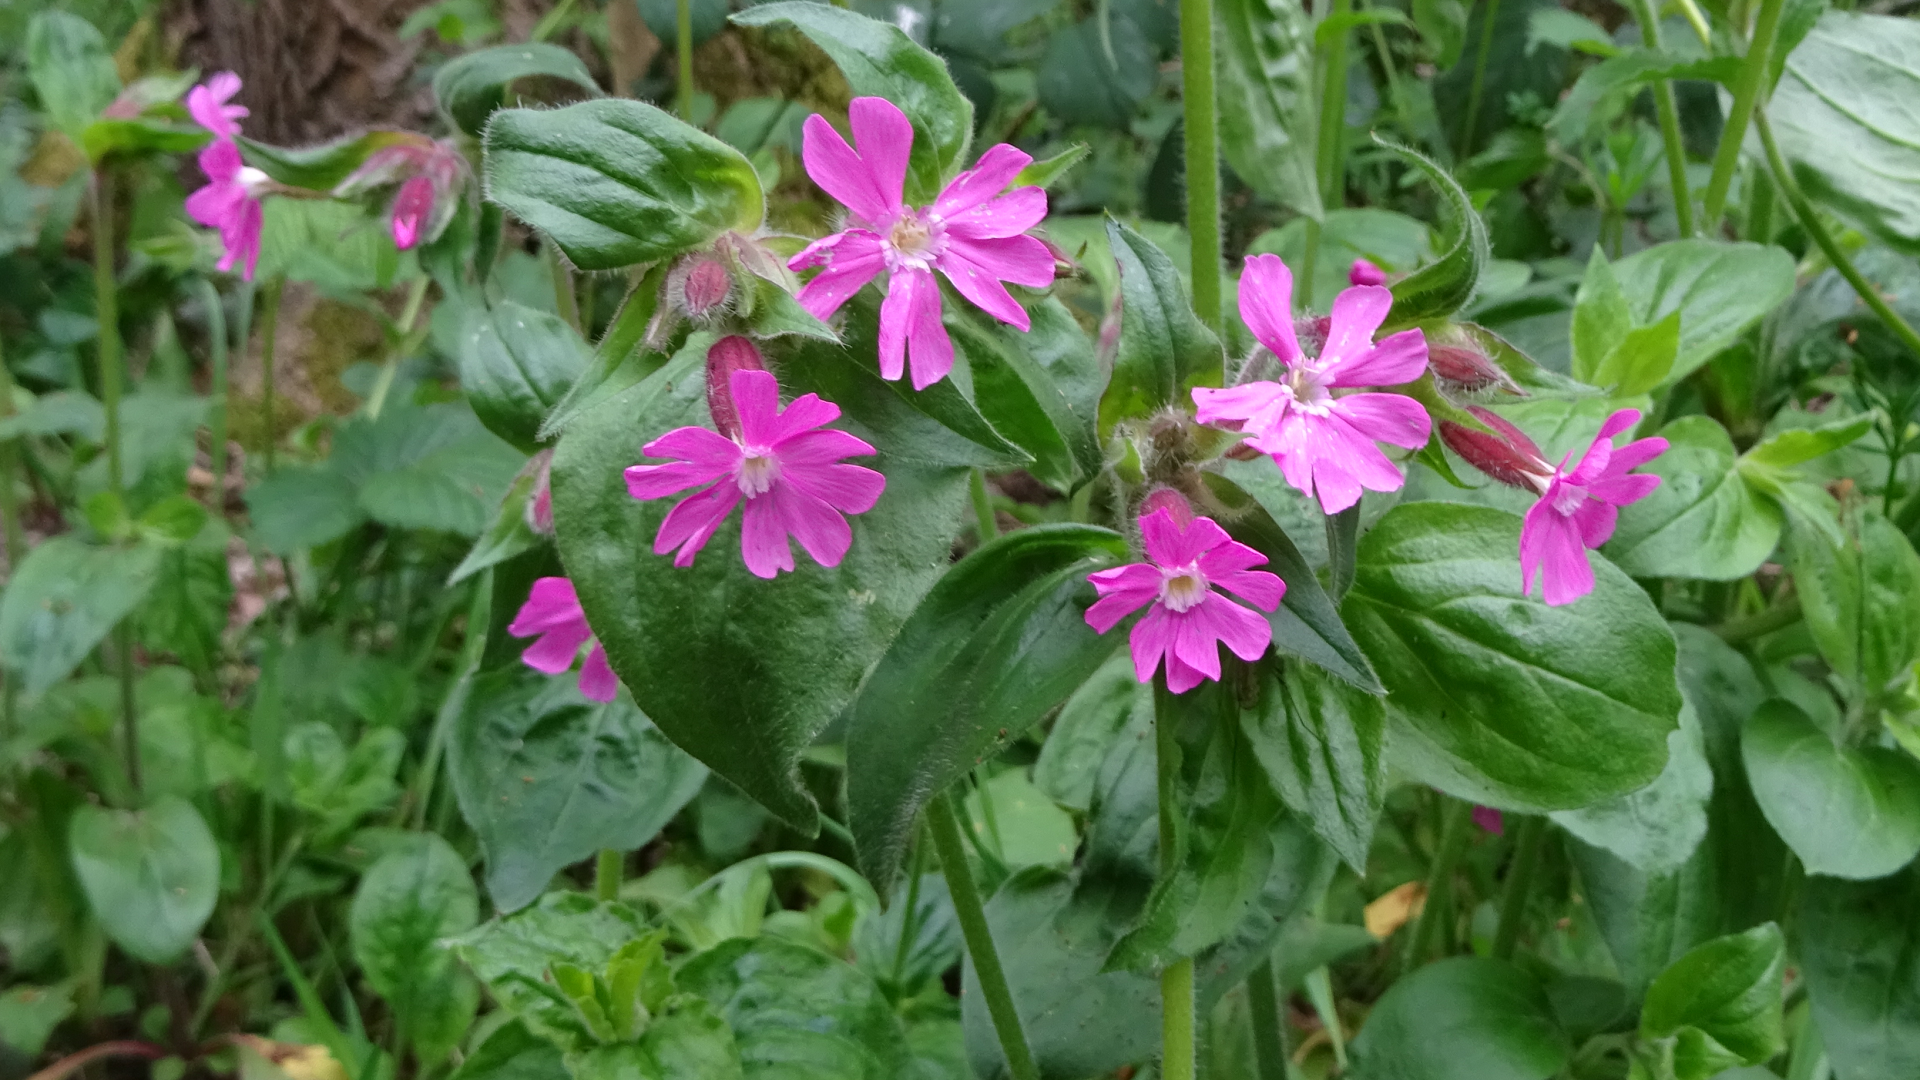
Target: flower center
[[253, 180], [914, 241], [1309, 392], [1182, 588], [1566, 497], [757, 471]]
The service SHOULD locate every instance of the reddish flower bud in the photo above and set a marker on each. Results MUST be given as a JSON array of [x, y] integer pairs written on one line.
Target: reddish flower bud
[[1364, 272], [1467, 369], [1489, 819], [1170, 500], [728, 355], [1504, 454], [539, 512], [1311, 331]]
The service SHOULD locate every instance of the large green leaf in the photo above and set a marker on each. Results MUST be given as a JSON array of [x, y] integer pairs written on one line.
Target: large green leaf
[[1164, 347], [1861, 596], [879, 60], [515, 956], [1846, 811], [1443, 286], [516, 364], [1268, 116], [1721, 1003], [425, 467], [1658, 827], [1000, 641], [410, 898], [71, 69], [150, 875], [1720, 290], [1083, 81], [1704, 520], [63, 599], [798, 1013], [741, 673], [1322, 744], [1041, 388], [616, 181], [546, 778], [1859, 949], [1840, 115], [470, 87], [1648, 920], [1499, 698], [1462, 1019]]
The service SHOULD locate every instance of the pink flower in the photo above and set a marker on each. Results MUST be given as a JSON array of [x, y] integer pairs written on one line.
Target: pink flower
[[1365, 272], [410, 210], [1324, 444], [552, 612], [430, 175], [972, 234], [780, 461], [1489, 819], [231, 203], [207, 104], [1579, 508], [1190, 560]]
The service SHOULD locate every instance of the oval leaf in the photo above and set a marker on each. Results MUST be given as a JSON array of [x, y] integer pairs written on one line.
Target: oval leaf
[[1703, 521], [1858, 945], [1462, 1019], [1848, 812], [1723, 1002], [516, 363], [62, 601], [470, 87], [151, 875], [409, 899]]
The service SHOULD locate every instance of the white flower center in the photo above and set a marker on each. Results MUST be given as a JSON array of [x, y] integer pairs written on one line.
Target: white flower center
[[1182, 587], [915, 241], [1567, 498], [253, 180], [1308, 390], [757, 471]]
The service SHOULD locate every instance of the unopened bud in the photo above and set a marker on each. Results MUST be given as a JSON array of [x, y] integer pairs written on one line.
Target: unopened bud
[[539, 512], [1504, 454], [1170, 500], [1364, 272], [1465, 368], [726, 356], [700, 287], [1312, 331], [411, 210]]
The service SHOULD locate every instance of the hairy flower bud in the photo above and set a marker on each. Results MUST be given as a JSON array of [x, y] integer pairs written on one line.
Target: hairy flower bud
[[1170, 500], [1504, 454], [726, 356], [1466, 369], [1364, 272], [700, 287], [539, 512]]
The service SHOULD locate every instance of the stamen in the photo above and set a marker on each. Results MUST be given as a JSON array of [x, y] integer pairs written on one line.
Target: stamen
[[757, 471], [1181, 589]]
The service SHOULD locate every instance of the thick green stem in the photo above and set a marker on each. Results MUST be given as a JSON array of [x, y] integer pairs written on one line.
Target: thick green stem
[[1178, 1057], [683, 47], [217, 418], [1177, 1053], [1528, 839], [606, 874], [269, 330], [983, 506], [1649, 18], [1203, 156], [944, 823], [1479, 85], [1817, 229], [1746, 92], [1454, 822], [1269, 1038]]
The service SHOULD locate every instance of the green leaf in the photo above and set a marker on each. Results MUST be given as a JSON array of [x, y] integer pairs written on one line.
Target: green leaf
[[1077, 742], [1641, 358], [1322, 744], [1602, 318], [511, 1052], [1044, 173], [1164, 347], [1000, 641], [1498, 698], [796, 1012], [1797, 446], [616, 182], [469, 88], [28, 1015], [322, 167], [689, 1041], [298, 508], [1703, 521], [741, 673], [1443, 286], [1851, 812], [1723, 1002], [1041, 389], [516, 364], [409, 899], [425, 467], [71, 69], [1720, 290], [1657, 828], [1083, 81], [546, 778], [140, 136], [1268, 115], [879, 60], [514, 957], [1628, 71], [1839, 115], [337, 785], [150, 875], [1861, 597], [1462, 1019], [614, 367], [1856, 946], [64, 598], [507, 535]]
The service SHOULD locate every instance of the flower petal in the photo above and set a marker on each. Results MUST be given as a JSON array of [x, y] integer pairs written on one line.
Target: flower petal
[[1388, 418], [1181, 676], [930, 350], [988, 177], [756, 397], [597, 682], [1266, 305], [551, 603], [1397, 358], [1009, 215], [689, 525], [851, 258], [220, 160], [1248, 402], [1243, 632], [884, 136], [763, 538], [658, 481], [1195, 642], [1023, 260], [821, 529], [820, 447], [553, 652], [801, 419], [851, 489], [981, 288], [1357, 312], [698, 445], [1595, 521], [1152, 638], [1260, 588], [841, 172]]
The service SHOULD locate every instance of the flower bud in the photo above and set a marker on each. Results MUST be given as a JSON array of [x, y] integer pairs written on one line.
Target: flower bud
[[700, 287], [539, 512], [1364, 272], [1170, 500], [1311, 331], [726, 356], [411, 210], [1504, 454], [1465, 369]]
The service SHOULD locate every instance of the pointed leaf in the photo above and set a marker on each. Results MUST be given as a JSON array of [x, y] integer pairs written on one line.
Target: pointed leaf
[[1323, 746], [1164, 347], [1443, 286], [62, 601]]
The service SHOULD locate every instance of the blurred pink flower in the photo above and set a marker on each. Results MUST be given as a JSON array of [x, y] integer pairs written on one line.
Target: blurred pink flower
[[1489, 819], [410, 210], [1365, 272], [971, 233], [207, 104], [1190, 559], [552, 612], [430, 175], [1579, 508], [1324, 444], [230, 203], [780, 461]]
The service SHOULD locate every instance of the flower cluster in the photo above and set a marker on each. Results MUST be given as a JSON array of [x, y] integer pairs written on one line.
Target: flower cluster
[[231, 200]]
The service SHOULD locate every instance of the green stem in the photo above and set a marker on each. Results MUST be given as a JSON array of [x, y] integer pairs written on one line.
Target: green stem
[[472, 651], [1328, 157], [1309, 267], [945, 826], [217, 421], [1269, 1038], [1177, 1053], [1810, 221], [983, 506], [1759, 224], [1746, 92], [1394, 91], [1529, 838], [563, 298], [683, 45], [1319, 987], [1178, 1059], [1669, 110], [410, 314], [1479, 85], [9, 459], [1760, 623], [1453, 842], [910, 918], [269, 329], [606, 874], [1203, 156], [107, 310], [1695, 19]]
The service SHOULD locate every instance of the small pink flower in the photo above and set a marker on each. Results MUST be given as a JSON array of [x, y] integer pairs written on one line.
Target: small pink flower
[[1365, 272], [780, 461], [230, 203], [1489, 819], [552, 612], [1324, 444], [207, 104], [972, 233], [1189, 561], [1579, 508], [410, 210], [430, 175]]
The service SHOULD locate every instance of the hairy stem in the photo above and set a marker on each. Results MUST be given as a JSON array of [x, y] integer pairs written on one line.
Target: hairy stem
[[983, 506], [683, 47], [1746, 92], [1269, 1039], [1203, 156], [944, 822], [563, 297], [910, 918], [606, 874], [1454, 821], [1669, 111], [1177, 1055], [1478, 88], [1529, 838]]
